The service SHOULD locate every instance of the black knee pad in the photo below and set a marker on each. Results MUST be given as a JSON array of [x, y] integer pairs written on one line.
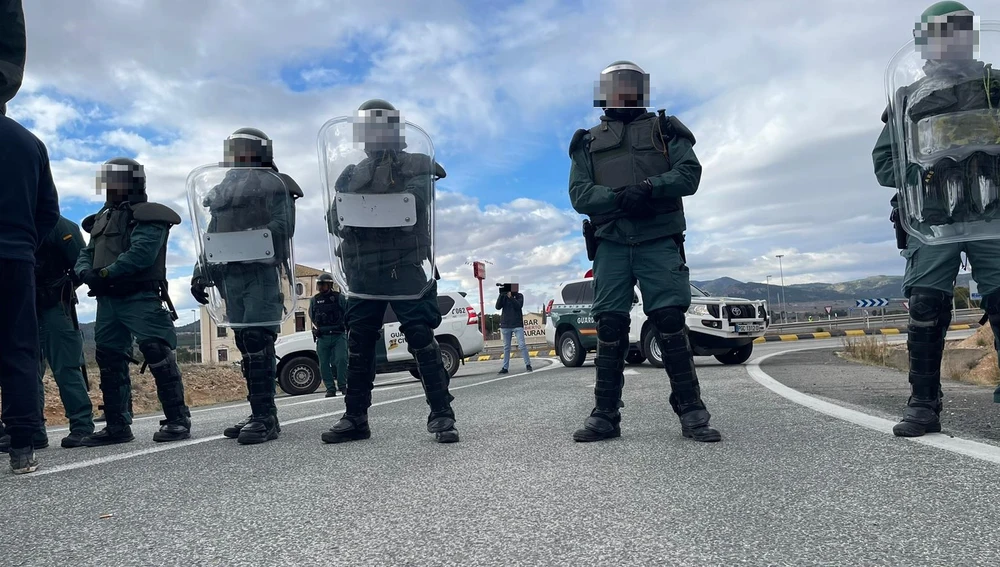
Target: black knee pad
[[361, 338], [668, 320], [254, 340], [418, 336], [929, 308], [155, 351], [612, 326]]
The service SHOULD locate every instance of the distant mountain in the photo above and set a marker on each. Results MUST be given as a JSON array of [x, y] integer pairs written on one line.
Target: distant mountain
[[186, 336], [865, 288]]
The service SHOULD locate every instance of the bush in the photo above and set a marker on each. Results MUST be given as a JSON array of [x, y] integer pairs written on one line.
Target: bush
[[869, 348]]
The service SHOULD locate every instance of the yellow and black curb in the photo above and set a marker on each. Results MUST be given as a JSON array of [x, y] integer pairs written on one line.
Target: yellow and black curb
[[850, 333], [531, 353]]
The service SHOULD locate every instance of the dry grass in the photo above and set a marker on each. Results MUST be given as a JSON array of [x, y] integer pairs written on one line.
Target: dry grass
[[870, 349], [203, 385], [875, 350]]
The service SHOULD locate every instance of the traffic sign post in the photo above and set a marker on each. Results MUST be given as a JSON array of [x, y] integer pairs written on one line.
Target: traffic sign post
[[974, 291], [829, 310], [479, 271], [881, 302]]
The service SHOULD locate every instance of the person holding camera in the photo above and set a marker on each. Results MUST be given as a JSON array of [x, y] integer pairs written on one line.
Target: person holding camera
[[510, 303]]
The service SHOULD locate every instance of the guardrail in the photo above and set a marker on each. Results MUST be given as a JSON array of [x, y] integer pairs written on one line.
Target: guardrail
[[842, 322]]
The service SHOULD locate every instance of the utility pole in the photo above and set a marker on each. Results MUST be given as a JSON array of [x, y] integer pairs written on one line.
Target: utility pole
[[784, 304], [197, 336], [769, 297]]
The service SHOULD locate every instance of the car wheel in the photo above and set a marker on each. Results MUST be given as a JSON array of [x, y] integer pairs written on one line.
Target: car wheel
[[300, 376], [635, 357], [450, 359], [651, 348], [737, 355], [571, 352]]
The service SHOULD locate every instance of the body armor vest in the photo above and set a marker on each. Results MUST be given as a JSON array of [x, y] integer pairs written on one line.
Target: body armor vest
[[626, 154], [392, 172], [111, 235], [241, 201], [327, 313]]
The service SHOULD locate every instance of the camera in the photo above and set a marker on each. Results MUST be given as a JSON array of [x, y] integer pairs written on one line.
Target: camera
[[505, 287]]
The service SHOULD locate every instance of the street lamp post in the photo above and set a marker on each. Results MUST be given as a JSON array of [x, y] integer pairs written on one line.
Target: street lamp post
[[769, 297], [784, 304]]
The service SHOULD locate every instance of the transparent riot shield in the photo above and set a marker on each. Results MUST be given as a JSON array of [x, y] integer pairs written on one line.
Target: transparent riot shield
[[243, 220], [378, 187], [944, 116]]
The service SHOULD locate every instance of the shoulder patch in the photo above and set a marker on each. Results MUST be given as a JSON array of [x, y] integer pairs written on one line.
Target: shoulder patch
[[67, 237], [578, 137], [678, 128], [88, 223], [155, 212]]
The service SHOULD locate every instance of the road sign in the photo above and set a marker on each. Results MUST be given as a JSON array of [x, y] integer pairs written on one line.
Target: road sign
[[880, 302], [974, 291], [829, 309], [479, 270]]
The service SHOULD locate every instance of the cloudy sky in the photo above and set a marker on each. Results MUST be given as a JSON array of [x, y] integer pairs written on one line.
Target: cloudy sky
[[784, 98]]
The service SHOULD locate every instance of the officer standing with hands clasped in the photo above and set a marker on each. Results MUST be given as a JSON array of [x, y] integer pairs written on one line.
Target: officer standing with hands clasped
[[510, 303], [947, 177], [59, 330], [629, 174], [125, 267], [328, 312], [379, 175]]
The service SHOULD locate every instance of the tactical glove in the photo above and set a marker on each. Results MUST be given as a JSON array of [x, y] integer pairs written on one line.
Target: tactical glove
[[198, 288], [95, 279], [633, 200]]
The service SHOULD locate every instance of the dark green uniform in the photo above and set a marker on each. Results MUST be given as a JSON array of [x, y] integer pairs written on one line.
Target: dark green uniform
[[328, 312], [125, 267], [253, 196], [58, 330], [634, 154], [931, 270]]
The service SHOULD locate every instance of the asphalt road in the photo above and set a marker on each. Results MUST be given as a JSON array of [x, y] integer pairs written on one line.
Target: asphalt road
[[787, 486]]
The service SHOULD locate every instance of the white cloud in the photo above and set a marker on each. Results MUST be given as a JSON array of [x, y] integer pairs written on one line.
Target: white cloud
[[784, 103]]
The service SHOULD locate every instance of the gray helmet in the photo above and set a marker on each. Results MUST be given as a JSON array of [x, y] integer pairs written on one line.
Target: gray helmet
[[379, 126], [248, 147], [325, 278], [623, 84], [123, 171]]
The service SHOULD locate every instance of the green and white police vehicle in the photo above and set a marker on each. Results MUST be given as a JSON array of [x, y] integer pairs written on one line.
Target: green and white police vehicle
[[723, 327]]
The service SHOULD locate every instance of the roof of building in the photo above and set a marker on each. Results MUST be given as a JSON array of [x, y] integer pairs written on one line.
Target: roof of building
[[302, 271]]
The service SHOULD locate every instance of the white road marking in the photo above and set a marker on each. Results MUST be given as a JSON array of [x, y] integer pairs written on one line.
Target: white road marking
[[974, 449], [42, 471]]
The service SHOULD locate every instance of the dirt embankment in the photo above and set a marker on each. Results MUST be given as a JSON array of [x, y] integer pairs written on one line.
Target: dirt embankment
[[203, 385], [972, 360]]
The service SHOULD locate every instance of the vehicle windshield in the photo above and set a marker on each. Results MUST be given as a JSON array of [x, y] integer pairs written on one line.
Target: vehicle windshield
[[697, 292]]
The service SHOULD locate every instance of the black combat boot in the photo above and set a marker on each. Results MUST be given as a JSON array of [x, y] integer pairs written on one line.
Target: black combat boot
[[353, 425], [263, 424], [685, 396], [233, 431], [116, 391], [170, 390], [612, 346], [925, 343], [434, 377]]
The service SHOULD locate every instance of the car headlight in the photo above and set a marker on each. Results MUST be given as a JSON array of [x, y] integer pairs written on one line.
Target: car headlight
[[698, 310]]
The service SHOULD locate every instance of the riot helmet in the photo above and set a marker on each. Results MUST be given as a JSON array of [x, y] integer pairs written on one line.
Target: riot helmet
[[13, 49], [324, 283], [378, 127], [623, 84], [946, 31], [248, 147], [123, 179]]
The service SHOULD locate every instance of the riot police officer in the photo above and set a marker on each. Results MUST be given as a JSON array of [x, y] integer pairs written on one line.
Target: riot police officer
[[59, 330], [328, 312], [381, 221], [247, 200], [629, 174], [125, 267], [947, 176]]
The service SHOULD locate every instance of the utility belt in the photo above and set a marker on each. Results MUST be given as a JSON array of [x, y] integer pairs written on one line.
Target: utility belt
[[124, 289], [591, 241], [324, 332]]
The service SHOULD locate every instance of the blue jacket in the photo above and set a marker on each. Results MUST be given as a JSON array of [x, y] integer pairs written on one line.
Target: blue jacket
[[29, 206]]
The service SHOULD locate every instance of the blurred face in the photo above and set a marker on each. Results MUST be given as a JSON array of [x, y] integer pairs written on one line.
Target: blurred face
[[948, 38], [514, 288], [324, 287]]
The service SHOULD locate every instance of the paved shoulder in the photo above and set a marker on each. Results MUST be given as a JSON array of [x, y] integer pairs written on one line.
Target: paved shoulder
[[969, 411]]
